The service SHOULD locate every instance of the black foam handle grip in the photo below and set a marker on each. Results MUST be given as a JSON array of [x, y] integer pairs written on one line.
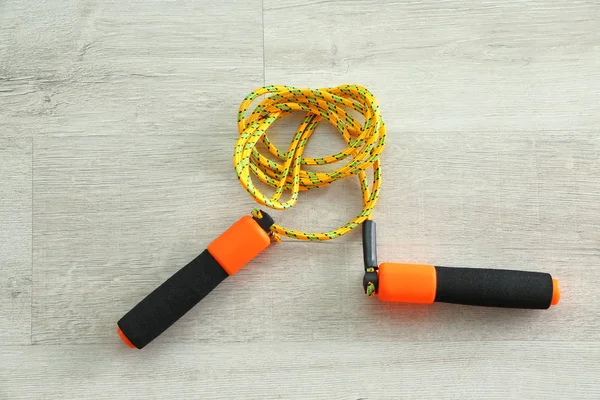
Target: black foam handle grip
[[494, 287], [171, 300]]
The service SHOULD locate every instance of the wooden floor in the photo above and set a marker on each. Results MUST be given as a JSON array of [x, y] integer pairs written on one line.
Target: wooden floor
[[117, 126]]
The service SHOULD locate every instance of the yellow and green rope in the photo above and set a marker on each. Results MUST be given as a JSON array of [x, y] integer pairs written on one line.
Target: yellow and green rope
[[365, 143]]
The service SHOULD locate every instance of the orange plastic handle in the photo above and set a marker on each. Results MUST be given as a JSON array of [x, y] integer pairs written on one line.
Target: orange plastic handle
[[407, 283], [239, 244], [555, 292]]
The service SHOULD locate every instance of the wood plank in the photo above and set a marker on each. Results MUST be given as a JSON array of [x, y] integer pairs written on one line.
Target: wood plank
[[116, 218], [15, 241], [110, 211], [122, 68], [447, 65], [320, 370]]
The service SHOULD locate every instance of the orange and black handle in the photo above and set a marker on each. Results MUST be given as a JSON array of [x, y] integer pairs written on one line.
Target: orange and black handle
[[226, 255], [414, 283]]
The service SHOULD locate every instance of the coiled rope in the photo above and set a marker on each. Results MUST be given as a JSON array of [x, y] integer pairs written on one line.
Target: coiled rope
[[365, 144]]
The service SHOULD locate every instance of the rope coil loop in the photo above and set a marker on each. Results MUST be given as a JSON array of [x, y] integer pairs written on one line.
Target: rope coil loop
[[364, 146]]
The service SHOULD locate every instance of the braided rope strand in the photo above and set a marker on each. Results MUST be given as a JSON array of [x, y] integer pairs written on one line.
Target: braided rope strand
[[365, 145]]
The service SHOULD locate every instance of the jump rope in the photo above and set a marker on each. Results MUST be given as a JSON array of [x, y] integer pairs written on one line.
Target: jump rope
[[245, 239]]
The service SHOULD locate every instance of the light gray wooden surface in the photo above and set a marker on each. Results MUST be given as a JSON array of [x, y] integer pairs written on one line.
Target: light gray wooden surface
[[117, 125], [15, 241]]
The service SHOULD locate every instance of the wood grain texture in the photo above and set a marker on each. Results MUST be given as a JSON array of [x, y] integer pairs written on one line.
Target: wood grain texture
[[127, 111], [15, 241], [114, 67], [115, 219], [318, 370], [449, 65]]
